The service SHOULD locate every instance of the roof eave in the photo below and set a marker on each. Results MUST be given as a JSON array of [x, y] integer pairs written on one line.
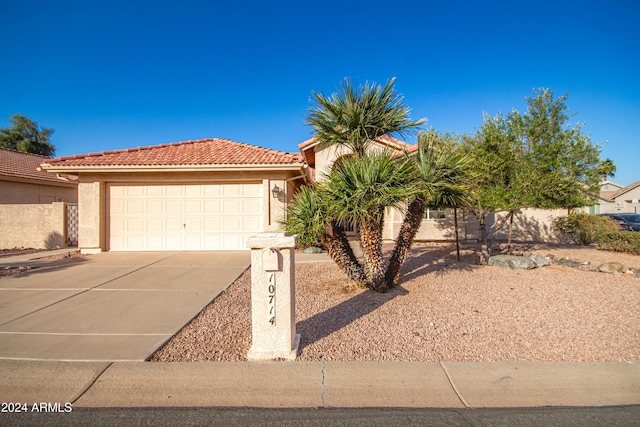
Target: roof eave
[[173, 168]]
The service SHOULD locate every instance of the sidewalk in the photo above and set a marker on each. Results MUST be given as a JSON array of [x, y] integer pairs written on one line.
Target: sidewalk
[[321, 384]]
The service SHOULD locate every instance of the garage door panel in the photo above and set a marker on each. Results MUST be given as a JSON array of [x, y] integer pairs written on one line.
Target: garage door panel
[[155, 207], [183, 216], [250, 206]]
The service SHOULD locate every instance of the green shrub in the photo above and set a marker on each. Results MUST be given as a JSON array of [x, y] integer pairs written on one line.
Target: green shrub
[[583, 228], [621, 241]]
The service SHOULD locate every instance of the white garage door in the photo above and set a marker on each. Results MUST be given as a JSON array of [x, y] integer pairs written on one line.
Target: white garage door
[[183, 216]]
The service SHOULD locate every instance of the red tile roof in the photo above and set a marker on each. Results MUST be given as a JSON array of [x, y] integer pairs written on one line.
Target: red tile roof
[[19, 165], [211, 151]]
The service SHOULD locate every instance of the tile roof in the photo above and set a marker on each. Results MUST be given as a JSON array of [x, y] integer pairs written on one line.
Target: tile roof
[[210, 151], [16, 164]]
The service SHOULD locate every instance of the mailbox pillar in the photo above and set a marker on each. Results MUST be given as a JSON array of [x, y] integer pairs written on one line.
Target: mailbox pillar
[[273, 323]]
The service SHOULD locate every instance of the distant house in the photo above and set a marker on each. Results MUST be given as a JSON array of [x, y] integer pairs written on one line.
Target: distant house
[[33, 203], [22, 182], [615, 198]]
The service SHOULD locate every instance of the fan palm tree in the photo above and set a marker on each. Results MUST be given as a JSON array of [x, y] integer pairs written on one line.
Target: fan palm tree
[[440, 176], [359, 189], [356, 117], [607, 169], [308, 218]]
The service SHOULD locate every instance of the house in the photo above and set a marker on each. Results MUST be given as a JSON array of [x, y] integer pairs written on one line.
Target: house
[[437, 224], [208, 194], [614, 198], [22, 183], [33, 203]]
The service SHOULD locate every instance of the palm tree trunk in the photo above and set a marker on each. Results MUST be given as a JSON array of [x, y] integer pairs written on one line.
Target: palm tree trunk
[[408, 231], [338, 248], [371, 242]]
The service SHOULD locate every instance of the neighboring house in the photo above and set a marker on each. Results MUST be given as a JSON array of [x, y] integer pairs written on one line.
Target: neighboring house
[[33, 203], [21, 182], [614, 198], [208, 194]]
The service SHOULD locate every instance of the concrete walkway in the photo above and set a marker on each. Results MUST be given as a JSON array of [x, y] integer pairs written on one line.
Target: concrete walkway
[[111, 306], [321, 384]]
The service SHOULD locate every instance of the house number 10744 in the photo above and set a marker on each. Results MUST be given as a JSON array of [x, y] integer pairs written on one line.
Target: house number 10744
[[271, 295]]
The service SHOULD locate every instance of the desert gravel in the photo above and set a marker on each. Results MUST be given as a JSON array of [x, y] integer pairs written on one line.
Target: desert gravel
[[444, 310]]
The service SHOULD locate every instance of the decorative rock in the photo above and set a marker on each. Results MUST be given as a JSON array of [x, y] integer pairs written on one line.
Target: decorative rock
[[611, 267], [541, 261], [512, 262], [312, 250]]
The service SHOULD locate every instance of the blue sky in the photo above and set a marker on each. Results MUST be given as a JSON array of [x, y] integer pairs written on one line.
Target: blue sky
[[117, 74]]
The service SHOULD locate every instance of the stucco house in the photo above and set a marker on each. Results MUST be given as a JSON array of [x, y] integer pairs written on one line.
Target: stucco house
[[615, 198], [21, 182], [208, 194], [437, 224], [33, 203]]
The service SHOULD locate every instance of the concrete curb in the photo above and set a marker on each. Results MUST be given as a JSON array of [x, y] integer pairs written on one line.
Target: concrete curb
[[321, 384]]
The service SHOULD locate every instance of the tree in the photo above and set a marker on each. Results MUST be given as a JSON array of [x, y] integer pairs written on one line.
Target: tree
[[361, 185], [532, 160], [25, 135], [307, 216], [354, 117], [359, 189], [441, 177], [607, 168], [563, 161]]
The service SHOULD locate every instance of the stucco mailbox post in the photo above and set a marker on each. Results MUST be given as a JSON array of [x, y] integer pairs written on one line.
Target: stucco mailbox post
[[273, 308]]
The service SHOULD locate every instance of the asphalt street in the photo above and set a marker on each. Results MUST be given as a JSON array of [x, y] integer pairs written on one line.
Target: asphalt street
[[565, 417]]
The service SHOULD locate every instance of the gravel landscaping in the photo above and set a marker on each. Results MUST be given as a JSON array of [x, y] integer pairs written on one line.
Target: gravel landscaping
[[444, 310]]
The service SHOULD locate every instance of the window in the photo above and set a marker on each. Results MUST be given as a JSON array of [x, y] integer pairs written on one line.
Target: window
[[437, 214]]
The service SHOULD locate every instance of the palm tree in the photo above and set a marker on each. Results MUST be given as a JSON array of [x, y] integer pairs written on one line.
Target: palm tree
[[359, 189], [607, 168], [307, 217], [356, 117], [441, 177]]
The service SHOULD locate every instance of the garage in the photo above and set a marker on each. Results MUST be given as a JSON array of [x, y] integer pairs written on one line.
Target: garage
[[198, 195], [189, 217]]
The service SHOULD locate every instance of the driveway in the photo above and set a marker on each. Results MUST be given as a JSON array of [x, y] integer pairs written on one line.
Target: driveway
[[112, 306]]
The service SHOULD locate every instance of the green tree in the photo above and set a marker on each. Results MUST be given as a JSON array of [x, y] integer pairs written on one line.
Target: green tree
[[496, 163], [532, 160], [562, 161], [25, 135]]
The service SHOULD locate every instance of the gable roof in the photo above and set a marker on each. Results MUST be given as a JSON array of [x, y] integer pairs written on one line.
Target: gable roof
[[202, 152], [306, 147], [624, 190], [18, 166]]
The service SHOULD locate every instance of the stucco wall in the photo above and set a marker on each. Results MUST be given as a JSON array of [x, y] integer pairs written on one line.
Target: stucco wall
[[12, 192], [533, 225], [33, 225], [624, 202], [433, 230]]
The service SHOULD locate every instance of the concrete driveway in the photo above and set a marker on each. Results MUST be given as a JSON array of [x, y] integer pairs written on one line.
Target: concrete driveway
[[113, 306]]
